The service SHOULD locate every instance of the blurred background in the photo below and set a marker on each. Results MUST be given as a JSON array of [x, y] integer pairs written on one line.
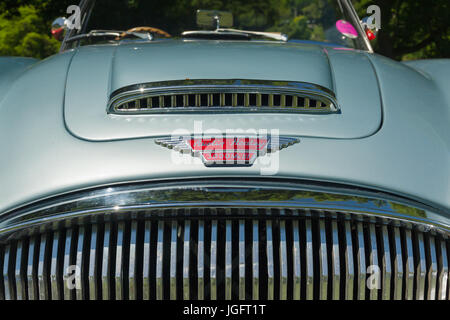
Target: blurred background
[[410, 29]]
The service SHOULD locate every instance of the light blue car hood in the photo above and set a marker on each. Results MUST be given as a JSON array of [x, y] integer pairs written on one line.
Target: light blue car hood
[[96, 71], [56, 137]]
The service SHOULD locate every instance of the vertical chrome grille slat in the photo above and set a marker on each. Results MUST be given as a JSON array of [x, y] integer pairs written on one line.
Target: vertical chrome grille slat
[[213, 261], [335, 262], [241, 260], [373, 259], [270, 262], [55, 281], [7, 281], [132, 264], [297, 260], [255, 260], [361, 263], [31, 283], [42, 269], [323, 263], [92, 264], [159, 261], [201, 260], [443, 277], [146, 261], [79, 288], [118, 275], [309, 261], [421, 267], [68, 262], [432, 269], [409, 266], [386, 265], [349, 265], [306, 103], [228, 260], [271, 100], [186, 252], [19, 272], [283, 262], [106, 263], [398, 265], [173, 260]]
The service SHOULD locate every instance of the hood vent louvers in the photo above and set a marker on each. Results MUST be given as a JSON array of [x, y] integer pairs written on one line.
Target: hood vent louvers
[[248, 96]]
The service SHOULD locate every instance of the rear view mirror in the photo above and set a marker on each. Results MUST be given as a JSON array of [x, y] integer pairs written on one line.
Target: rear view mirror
[[214, 19]]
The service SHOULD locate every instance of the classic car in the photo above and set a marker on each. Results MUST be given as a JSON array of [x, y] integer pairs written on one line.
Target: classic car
[[221, 163]]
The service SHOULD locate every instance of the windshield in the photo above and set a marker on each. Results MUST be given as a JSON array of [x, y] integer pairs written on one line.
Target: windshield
[[328, 21]]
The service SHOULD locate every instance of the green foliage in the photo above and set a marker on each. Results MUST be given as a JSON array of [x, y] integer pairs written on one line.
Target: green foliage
[[416, 29], [25, 34], [410, 29]]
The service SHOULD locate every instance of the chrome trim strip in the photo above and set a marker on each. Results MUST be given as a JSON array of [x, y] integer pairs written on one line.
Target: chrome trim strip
[[247, 195]]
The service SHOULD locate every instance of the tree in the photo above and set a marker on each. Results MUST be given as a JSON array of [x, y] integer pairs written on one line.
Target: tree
[[411, 29], [25, 34]]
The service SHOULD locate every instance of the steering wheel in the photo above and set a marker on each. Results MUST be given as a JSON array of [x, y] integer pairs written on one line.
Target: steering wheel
[[145, 29]]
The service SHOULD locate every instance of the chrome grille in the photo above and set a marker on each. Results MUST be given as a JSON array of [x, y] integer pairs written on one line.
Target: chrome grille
[[227, 253], [222, 95]]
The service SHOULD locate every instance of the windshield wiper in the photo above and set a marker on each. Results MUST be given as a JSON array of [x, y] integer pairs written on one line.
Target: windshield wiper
[[109, 33], [233, 33]]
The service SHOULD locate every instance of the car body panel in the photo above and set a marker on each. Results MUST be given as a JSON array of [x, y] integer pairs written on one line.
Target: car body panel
[[408, 155], [11, 68], [97, 71]]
